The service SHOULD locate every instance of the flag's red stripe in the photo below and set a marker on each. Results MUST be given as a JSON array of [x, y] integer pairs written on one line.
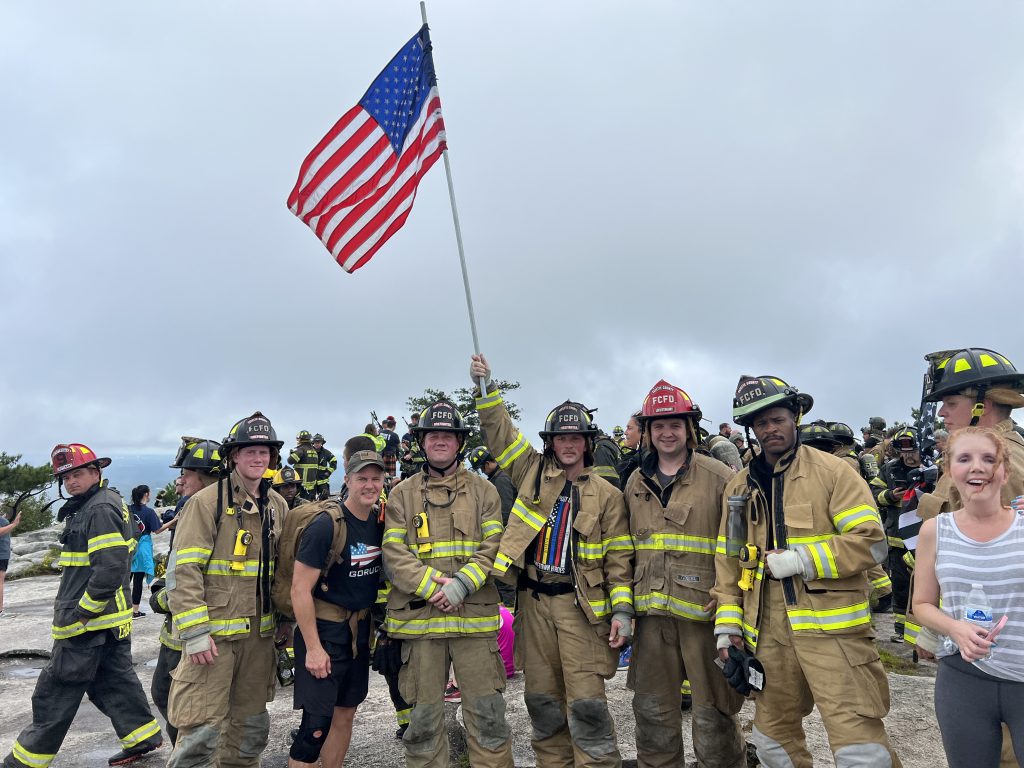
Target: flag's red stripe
[[395, 226], [370, 191], [339, 126], [343, 153], [410, 155], [369, 187]]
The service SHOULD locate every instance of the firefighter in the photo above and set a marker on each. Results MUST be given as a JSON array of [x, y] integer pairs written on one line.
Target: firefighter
[[92, 622], [798, 533], [328, 466], [607, 456], [219, 581], [412, 456], [287, 483], [442, 528], [199, 462], [630, 450], [481, 460], [674, 502], [845, 448], [306, 461], [896, 477], [569, 533]]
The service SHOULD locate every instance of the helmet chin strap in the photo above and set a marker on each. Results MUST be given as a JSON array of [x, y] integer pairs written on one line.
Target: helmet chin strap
[[979, 405]]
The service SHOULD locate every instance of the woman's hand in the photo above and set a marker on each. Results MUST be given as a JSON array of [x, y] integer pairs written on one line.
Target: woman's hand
[[971, 640]]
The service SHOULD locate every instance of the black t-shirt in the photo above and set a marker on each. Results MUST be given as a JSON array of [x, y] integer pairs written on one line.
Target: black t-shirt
[[352, 582]]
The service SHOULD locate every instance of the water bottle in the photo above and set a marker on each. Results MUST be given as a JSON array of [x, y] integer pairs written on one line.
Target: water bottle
[[978, 610]]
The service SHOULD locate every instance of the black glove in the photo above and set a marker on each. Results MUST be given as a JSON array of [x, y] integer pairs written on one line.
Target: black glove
[[737, 671], [387, 655]]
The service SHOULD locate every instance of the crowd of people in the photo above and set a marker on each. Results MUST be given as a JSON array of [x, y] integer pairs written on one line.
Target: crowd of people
[[741, 565]]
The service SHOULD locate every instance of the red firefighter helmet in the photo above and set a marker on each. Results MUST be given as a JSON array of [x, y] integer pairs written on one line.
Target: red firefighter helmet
[[667, 400], [68, 457]]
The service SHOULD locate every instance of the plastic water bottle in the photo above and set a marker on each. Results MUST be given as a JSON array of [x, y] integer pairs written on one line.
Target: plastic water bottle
[[978, 610]]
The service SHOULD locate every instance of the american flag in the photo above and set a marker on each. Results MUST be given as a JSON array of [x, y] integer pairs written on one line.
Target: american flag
[[361, 555], [356, 188]]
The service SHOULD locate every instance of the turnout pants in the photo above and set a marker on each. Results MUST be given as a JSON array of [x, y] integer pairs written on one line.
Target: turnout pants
[[98, 665], [665, 651], [223, 702], [566, 661], [842, 675], [481, 675], [160, 688]]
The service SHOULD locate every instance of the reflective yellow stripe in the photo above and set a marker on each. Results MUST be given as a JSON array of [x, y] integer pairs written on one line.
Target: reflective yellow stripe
[[427, 585], [513, 452], [441, 625], [750, 635], [191, 618], [596, 550], [227, 627], [447, 549], [267, 622], [92, 606], [192, 555], [896, 541], [73, 559], [394, 536], [911, 631], [31, 758], [621, 595], [168, 639], [528, 514], [121, 599], [474, 573], [600, 608], [881, 582], [606, 472], [488, 401], [491, 528], [859, 515], [502, 562], [223, 568], [795, 540], [618, 544], [677, 542], [824, 561], [96, 543], [109, 621], [729, 614], [659, 601], [722, 547], [402, 715], [829, 620], [140, 734]]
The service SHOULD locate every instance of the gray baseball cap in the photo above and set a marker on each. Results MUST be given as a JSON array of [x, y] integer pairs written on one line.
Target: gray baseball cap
[[361, 459]]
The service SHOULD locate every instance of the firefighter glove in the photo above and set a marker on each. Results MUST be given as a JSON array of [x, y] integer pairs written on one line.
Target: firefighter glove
[[743, 672], [387, 655], [456, 590], [786, 563]]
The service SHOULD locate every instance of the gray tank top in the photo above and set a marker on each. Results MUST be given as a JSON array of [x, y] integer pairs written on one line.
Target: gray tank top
[[997, 565]]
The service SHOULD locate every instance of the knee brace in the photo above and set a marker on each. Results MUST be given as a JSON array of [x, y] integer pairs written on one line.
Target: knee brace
[[545, 714], [591, 726], [310, 738]]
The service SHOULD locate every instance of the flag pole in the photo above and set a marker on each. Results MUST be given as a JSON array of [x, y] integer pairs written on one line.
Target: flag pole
[[458, 237]]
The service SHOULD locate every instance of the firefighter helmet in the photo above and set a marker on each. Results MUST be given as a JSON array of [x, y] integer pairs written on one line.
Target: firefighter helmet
[[198, 455], [817, 435], [67, 457], [253, 430], [286, 476], [618, 432], [756, 393], [441, 416], [304, 436], [973, 369], [905, 440], [841, 433], [479, 456], [569, 418], [667, 400], [318, 438]]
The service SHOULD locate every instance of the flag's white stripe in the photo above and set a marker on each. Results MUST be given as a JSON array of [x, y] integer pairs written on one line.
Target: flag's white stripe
[[356, 228], [396, 184], [382, 158], [371, 241], [355, 157], [328, 152]]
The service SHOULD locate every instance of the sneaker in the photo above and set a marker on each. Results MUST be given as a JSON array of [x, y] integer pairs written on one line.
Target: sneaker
[[452, 693], [625, 657], [128, 756], [137, 614], [401, 730]]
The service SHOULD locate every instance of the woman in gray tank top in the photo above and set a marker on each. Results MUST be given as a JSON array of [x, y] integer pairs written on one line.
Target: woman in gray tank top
[[980, 682]]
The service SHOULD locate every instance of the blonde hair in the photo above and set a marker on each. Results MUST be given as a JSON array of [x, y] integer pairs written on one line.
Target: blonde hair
[[994, 436]]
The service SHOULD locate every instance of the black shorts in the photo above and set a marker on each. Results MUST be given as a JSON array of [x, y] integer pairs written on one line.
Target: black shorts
[[3, 564], [349, 680]]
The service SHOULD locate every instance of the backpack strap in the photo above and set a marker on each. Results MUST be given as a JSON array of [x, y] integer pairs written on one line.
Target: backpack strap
[[337, 514]]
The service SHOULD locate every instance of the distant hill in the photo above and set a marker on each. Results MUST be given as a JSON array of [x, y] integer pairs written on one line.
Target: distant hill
[[126, 472]]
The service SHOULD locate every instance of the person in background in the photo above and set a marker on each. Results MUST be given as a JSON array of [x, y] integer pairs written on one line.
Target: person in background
[[6, 526], [392, 446], [941, 437], [725, 430], [146, 522], [980, 683]]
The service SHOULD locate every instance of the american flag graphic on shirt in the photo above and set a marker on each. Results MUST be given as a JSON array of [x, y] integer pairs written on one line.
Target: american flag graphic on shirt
[[362, 555]]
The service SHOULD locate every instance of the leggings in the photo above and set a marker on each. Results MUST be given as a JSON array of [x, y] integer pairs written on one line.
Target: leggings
[[970, 706], [138, 579]]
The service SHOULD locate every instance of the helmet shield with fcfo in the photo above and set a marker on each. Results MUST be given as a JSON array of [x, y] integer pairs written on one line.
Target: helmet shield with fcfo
[[667, 401], [253, 430], [569, 418], [758, 393], [441, 416]]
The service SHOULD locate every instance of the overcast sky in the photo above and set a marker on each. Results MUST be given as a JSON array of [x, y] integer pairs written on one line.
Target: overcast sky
[[690, 190]]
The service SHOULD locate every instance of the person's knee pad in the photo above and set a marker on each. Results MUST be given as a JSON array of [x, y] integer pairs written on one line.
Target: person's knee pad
[[310, 738], [545, 715], [863, 756], [489, 712], [591, 726], [656, 729], [770, 752]]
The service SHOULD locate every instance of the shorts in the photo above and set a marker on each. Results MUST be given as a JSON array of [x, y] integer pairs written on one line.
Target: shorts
[[349, 681], [3, 565]]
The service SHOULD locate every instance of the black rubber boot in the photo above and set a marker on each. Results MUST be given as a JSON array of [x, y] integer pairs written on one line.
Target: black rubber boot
[[128, 756]]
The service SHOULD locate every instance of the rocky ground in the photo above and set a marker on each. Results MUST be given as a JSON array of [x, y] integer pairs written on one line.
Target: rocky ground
[[25, 644]]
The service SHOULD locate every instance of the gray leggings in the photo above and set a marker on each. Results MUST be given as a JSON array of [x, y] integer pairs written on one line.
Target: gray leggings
[[970, 707]]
